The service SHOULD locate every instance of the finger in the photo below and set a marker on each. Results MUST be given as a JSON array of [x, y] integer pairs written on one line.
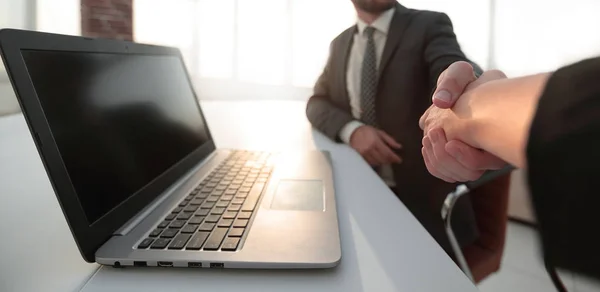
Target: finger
[[423, 119], [389, 155], [431, 168], [455, 80], [389, 140], [451, 167], [377, 157], [431, 163], [473, 158]]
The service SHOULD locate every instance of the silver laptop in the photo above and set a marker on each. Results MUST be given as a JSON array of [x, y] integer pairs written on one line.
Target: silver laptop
[[133, 164]]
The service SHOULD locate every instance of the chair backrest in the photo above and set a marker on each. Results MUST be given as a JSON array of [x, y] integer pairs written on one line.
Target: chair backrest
[[490, 204]]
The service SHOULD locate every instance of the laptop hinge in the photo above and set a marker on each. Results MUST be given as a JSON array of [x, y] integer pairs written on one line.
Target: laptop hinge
[[135, 220]]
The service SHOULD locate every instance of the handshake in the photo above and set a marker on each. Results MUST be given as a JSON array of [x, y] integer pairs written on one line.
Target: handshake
[[449, 149]]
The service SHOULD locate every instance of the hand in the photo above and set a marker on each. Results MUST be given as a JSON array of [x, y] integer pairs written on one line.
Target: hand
[[454, 160], [375, 146]]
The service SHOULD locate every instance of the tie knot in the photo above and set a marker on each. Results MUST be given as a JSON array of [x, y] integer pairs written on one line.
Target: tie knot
[[369, 31]]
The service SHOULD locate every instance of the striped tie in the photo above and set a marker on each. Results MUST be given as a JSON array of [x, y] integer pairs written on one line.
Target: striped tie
[[368, 80]]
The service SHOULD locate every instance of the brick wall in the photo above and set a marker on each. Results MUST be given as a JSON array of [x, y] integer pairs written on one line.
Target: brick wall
[[107, 19]]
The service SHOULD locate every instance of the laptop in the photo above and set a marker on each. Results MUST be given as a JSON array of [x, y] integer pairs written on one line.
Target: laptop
[[134, 167]]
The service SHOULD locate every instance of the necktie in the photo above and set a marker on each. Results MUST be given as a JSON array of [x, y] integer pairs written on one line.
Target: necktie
[[368, 80]]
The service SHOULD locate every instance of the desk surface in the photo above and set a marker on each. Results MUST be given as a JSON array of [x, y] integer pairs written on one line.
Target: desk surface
[[384, 247]]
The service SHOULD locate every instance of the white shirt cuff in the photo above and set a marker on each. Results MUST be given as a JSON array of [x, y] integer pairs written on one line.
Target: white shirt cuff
[[348, 129]]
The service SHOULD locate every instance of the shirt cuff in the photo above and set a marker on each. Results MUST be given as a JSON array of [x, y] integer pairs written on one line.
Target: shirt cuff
[[348, 129]]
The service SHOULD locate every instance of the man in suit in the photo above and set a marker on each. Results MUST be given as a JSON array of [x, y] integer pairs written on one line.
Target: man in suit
[[377, 82]]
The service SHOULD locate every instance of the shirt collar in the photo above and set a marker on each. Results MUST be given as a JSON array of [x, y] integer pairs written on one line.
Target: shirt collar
[[381, 24]]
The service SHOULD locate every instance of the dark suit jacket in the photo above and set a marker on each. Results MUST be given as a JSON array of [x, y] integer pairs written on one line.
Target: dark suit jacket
[[420, 45]]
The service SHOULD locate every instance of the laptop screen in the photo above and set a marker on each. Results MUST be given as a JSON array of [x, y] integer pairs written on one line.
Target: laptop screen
[[119, 120]]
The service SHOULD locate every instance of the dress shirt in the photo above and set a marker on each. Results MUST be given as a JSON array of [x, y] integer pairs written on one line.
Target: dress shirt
[[353, 73]]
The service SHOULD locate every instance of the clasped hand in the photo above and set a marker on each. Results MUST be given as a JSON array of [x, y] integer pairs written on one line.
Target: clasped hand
[[445, 153]]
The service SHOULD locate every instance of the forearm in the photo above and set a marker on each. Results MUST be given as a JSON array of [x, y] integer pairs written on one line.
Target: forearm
[[326, 117], [497, 115]]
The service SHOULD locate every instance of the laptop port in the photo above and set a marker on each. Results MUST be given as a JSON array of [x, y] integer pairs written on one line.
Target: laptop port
[[140, 264], [165, 264], [217, 265], [194, 265]]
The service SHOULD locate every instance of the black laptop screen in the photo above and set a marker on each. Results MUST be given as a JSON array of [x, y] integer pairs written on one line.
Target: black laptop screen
[[119, 120]]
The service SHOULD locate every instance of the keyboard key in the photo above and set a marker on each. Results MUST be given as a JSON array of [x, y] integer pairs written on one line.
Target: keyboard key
[[170, 217], [244, 190], [253, 197], [212, 218], [230, 192], [202, 212], [169, 233], [177, 210], [212, 199], [241, 195], [222, 204], [240, 223], [183, 204], [227, 197], [207, 205], [177, 224], [245, 215], [210, 185], [221, 187], [234, 207], [197, 240], [156, 232], [225, 223], [206, 226], [196, 202], [145, 243], [230, 244], [179, 241], [206, 190], [163, 224], [160, 243], [261, 180], [218, 211], [237, 201], [263, 176], [215, 239], [191, 208], [237, 181], [236, 232], [184, 215], [202, 196], [216, 193], [189, 197], [229, 215], [189, 228], [196, 220]]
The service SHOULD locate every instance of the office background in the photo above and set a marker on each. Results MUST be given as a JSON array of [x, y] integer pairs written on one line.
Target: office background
[[275, 49]]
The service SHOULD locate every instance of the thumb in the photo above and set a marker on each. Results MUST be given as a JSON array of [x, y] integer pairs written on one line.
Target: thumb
[[452, 84]]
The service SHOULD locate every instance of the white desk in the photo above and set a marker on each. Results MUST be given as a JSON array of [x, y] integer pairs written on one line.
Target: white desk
[[384, 247]]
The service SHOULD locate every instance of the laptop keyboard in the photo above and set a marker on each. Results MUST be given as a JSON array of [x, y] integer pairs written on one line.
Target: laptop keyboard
[[215, 215]]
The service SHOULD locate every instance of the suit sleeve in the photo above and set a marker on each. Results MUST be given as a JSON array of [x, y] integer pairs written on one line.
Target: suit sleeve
[[442, 48], [563, 159], [322, 113]]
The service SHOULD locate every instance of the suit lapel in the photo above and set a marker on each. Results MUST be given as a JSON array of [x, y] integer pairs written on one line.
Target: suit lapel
[[398, 25], [346, 45]]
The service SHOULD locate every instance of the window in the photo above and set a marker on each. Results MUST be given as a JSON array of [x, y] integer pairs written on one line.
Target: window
[[266, 48], [536, 35], [13, 14]]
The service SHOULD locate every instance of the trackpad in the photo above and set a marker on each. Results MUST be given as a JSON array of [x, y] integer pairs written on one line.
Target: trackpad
[[301, 195]]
